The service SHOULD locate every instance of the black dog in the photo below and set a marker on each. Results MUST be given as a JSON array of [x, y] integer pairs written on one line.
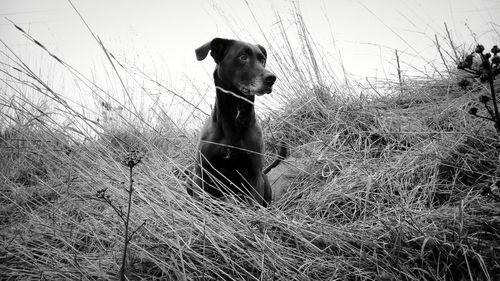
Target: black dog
[[230, 152]]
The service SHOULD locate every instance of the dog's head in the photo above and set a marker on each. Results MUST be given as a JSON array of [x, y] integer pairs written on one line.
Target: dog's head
[[240, 65]]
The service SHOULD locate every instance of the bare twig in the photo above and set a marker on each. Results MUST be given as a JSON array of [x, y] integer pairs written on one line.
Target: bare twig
[[441, 54], [399, 74], [126, 238]]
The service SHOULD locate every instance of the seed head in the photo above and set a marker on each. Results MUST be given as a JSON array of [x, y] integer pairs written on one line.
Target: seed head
[[495, 60], [467, 63], [479, 49], [101, 193], [495, 50], [464, 83], [484, 99], [484, 77], [106, 105], [132, 158]]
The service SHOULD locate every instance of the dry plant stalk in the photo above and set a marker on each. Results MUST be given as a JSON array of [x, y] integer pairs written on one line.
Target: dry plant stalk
[[484, 67], [130, 161]]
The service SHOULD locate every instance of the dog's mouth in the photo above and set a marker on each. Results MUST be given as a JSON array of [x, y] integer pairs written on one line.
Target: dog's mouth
[[264, 91], [245, 91], [248, 92]]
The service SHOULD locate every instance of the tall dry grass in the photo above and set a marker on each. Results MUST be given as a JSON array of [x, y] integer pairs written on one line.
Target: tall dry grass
[[390, 189]]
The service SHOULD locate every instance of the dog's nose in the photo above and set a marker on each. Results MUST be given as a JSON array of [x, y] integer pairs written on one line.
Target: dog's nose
[[269, 79]]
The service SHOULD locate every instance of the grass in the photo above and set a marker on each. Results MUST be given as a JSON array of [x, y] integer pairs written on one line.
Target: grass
[[389, 187]]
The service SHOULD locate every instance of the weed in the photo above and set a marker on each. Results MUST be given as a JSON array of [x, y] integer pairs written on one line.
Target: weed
[[130, 161], [484, 67]]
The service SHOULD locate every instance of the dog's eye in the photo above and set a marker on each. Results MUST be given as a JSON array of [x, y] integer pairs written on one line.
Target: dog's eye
[[243, 57], [263, 61]]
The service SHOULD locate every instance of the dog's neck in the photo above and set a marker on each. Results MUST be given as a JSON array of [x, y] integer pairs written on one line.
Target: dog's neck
[[232, 114]]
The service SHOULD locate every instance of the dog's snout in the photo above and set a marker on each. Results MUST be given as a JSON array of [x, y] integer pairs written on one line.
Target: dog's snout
[[270, 79]]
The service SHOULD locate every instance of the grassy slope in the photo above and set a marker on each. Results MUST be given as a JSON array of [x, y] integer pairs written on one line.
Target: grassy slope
[[391, 191]]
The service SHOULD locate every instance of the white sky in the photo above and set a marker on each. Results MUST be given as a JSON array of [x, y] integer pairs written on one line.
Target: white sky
[[159, 36]]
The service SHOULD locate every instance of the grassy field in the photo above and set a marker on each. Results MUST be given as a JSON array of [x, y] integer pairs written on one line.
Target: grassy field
[[389, 187]]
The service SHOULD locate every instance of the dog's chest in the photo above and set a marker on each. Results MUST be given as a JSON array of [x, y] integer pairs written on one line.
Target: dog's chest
[[234, 156], [233, 147], [232, 153], [227, 154]]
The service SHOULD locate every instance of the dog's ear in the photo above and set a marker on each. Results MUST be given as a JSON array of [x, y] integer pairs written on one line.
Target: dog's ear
[[202, 52], [217, 48], [263, 50]]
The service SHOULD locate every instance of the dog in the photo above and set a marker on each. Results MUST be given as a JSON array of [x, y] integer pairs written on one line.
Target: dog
[[229, 159]]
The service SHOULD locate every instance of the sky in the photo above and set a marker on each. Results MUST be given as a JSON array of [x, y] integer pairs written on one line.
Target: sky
[[159, 36]]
